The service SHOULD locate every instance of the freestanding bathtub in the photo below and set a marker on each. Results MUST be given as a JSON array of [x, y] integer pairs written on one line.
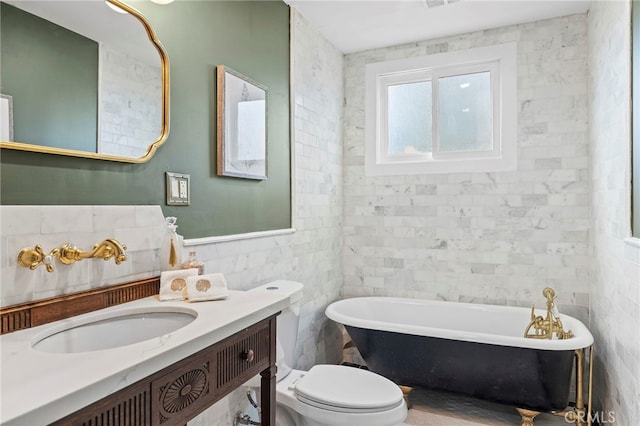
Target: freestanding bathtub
[[478, 350]]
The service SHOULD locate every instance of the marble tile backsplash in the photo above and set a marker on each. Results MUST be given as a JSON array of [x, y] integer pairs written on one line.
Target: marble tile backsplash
[[496, 238], [140, 228]]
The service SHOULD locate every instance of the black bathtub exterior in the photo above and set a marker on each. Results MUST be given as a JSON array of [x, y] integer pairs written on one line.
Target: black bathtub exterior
[[524, 378]]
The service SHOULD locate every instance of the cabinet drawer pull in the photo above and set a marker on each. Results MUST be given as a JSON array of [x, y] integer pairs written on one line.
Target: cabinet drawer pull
[[248, 355]]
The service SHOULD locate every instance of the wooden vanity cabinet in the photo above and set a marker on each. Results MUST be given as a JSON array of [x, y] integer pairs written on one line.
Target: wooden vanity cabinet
[[179, 392]]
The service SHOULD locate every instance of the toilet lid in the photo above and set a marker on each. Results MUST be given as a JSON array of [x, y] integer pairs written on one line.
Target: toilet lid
[[347, 389]]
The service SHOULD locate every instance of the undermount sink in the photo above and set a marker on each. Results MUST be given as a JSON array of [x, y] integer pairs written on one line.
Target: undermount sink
[[112, 330]]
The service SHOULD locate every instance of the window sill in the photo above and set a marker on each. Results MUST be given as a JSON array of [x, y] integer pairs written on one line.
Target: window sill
[[633, 241], [506, 163], [632, 250]]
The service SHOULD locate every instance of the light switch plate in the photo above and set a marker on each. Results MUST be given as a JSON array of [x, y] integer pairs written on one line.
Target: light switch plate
[[178, 189]]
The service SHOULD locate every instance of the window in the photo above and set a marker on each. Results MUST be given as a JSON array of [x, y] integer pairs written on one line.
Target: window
[[444, 113]]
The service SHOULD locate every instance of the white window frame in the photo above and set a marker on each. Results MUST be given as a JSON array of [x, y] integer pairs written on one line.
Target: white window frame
[[499, 60]]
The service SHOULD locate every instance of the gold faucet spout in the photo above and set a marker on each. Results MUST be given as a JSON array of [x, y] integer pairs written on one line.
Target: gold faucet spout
[[545, 328], [106, 250]]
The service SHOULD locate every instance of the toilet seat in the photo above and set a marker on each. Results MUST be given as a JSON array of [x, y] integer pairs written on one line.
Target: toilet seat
[[347, 390]]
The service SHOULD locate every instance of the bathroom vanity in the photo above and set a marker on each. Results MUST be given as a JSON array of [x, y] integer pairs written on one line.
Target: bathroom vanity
[[164, 380], [179, 392]]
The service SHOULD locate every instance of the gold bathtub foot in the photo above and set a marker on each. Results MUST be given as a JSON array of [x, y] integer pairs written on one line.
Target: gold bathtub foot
[[527, 416], [405, 394]]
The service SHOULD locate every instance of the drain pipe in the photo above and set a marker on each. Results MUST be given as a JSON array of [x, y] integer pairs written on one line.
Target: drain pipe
[[245, 419], [241, 419], [253, 402]]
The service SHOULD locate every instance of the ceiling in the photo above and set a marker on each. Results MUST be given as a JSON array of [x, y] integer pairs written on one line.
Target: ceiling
[[358, 25]]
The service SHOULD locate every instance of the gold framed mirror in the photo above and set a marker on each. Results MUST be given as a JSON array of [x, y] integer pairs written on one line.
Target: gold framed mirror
[[59, 110]]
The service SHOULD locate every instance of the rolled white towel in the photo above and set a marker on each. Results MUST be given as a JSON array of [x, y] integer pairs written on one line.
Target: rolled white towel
[[174, 283], [206, 287]]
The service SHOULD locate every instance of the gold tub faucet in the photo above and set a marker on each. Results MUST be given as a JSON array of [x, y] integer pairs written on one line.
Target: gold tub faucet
[[544, 328], [67, 254]]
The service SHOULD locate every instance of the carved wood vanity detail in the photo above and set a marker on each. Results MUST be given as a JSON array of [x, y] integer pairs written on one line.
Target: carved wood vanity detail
[[179, 392]]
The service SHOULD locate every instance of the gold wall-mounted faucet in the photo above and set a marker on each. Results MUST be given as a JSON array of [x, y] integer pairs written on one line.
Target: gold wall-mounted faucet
[[544, 328], [67, 254]]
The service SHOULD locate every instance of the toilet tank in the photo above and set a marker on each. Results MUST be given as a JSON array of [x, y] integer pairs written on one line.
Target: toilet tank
[[286, 327], [287, 334]]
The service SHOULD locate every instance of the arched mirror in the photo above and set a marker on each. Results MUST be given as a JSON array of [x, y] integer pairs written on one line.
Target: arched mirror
[[82, 78]]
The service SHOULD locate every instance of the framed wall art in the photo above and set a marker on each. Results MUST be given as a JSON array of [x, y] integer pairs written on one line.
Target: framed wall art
[[242, 125]]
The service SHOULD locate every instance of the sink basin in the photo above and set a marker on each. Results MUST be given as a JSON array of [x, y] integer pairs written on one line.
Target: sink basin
[[112, 329]]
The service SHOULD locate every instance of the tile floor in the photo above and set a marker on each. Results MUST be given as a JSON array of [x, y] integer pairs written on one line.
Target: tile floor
[[431, 408]]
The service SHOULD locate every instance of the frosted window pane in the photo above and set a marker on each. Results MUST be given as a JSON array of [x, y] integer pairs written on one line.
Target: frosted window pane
[[409, 118], [465, 112]]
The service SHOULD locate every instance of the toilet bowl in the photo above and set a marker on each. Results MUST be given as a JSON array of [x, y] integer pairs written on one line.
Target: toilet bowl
[[327, 395], [334, 395]]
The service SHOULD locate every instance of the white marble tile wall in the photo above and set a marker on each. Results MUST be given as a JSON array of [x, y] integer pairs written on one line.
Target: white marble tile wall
[[130, 103], [615, 283], [313, 255], [496, 238]]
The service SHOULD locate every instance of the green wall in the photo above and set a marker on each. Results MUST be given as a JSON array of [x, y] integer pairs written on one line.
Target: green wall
[[249, 37], [57, 107]]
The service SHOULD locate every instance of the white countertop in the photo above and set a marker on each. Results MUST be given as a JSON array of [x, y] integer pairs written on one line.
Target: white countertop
[[40, 387]]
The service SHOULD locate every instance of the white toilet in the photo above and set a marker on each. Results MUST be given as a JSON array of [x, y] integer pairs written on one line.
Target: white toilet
[[329, 395]]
